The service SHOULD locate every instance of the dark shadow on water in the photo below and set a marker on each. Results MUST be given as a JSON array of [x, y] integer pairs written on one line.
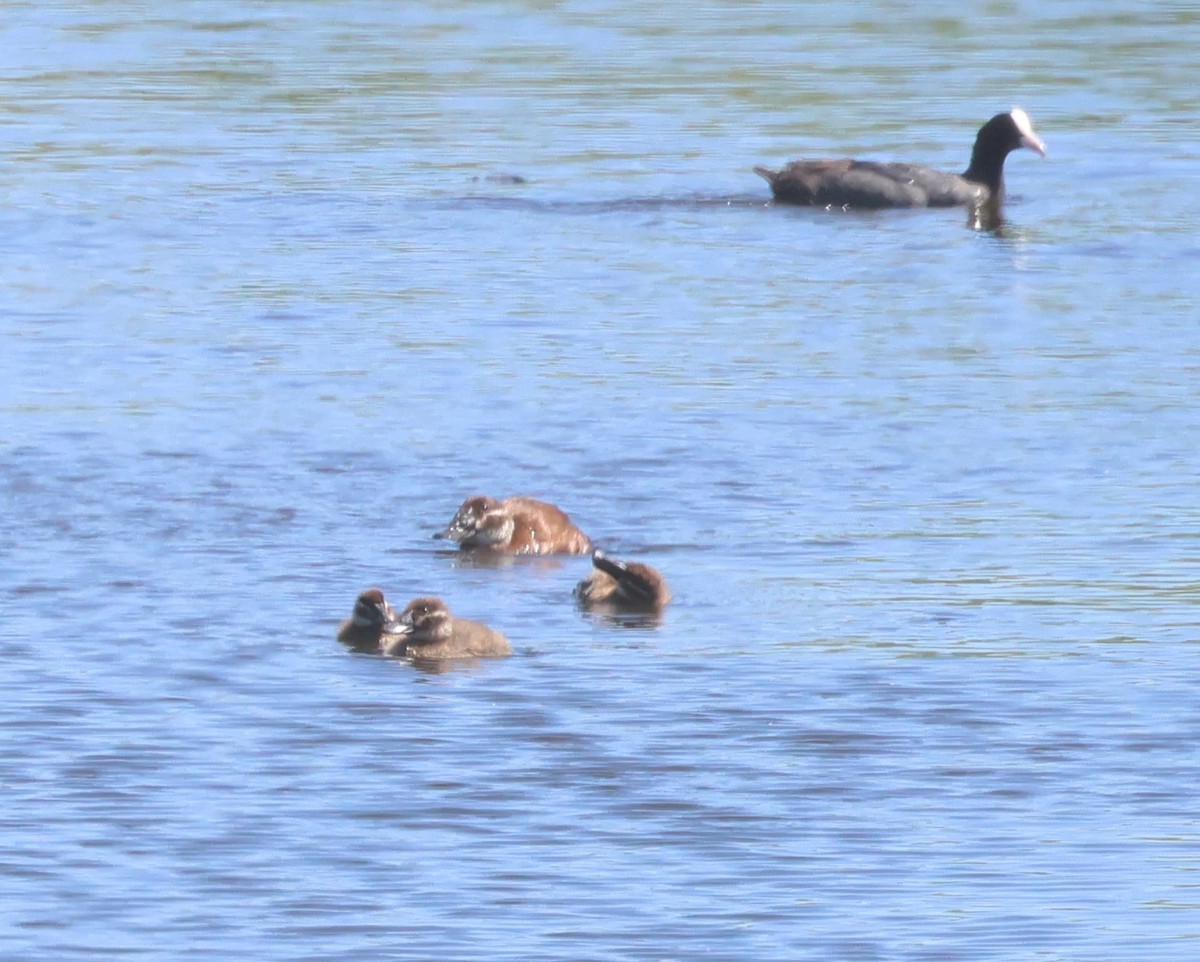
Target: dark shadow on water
[[691, 202], [485, 559], [490, 196], [614, 617], [445, 666], [429, 666], [584, 208], [1017, 235]]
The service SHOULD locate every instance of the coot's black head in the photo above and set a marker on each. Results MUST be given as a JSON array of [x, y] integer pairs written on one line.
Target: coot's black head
[[1007, 132], [998, 138]]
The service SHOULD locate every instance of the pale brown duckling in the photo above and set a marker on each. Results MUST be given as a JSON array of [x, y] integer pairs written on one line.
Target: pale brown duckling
[[516, 525], [371, 619], [622, 586], [426, 630]]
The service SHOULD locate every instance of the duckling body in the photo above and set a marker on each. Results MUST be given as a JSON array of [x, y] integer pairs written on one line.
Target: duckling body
[[365, 628], [427, 630], [622, 586], [517, 525]]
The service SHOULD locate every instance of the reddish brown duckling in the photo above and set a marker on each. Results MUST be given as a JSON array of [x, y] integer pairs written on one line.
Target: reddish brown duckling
[[517, 525], [371, 619], [426, 629], [621, 585]]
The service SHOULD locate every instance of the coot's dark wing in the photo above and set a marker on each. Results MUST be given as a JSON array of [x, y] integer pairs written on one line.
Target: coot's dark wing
[[942, 189], [866, 184]]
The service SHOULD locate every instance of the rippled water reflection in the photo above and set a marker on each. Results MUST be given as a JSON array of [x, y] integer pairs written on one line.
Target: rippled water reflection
[[274, 303]]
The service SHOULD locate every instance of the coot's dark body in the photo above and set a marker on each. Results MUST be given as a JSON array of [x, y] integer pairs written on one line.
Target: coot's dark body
[[869, 185]]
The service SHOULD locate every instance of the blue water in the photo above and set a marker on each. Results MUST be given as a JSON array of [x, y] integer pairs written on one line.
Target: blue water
[[274, 303]]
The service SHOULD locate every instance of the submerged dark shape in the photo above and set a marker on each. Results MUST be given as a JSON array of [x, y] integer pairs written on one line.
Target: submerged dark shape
[[510, 180], [870, 185], [622, 586]]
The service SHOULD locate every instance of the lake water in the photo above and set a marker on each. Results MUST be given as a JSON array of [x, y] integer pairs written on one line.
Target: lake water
[[273, 304]]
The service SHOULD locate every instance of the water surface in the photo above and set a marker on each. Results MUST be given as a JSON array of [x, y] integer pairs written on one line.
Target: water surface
[[283, 283]]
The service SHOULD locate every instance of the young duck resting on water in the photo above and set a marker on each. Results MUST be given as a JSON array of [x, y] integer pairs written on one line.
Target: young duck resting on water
[[371, 619], [867, 184], [622, 586], [426, 629], [514, 526]]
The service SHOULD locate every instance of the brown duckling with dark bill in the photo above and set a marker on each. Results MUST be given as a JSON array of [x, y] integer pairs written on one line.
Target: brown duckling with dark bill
[[871, 185], [622, 586], [516, 525], [371, 619], [427, 630]]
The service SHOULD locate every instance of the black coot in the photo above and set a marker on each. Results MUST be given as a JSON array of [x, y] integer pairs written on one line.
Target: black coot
[[866, 184]]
